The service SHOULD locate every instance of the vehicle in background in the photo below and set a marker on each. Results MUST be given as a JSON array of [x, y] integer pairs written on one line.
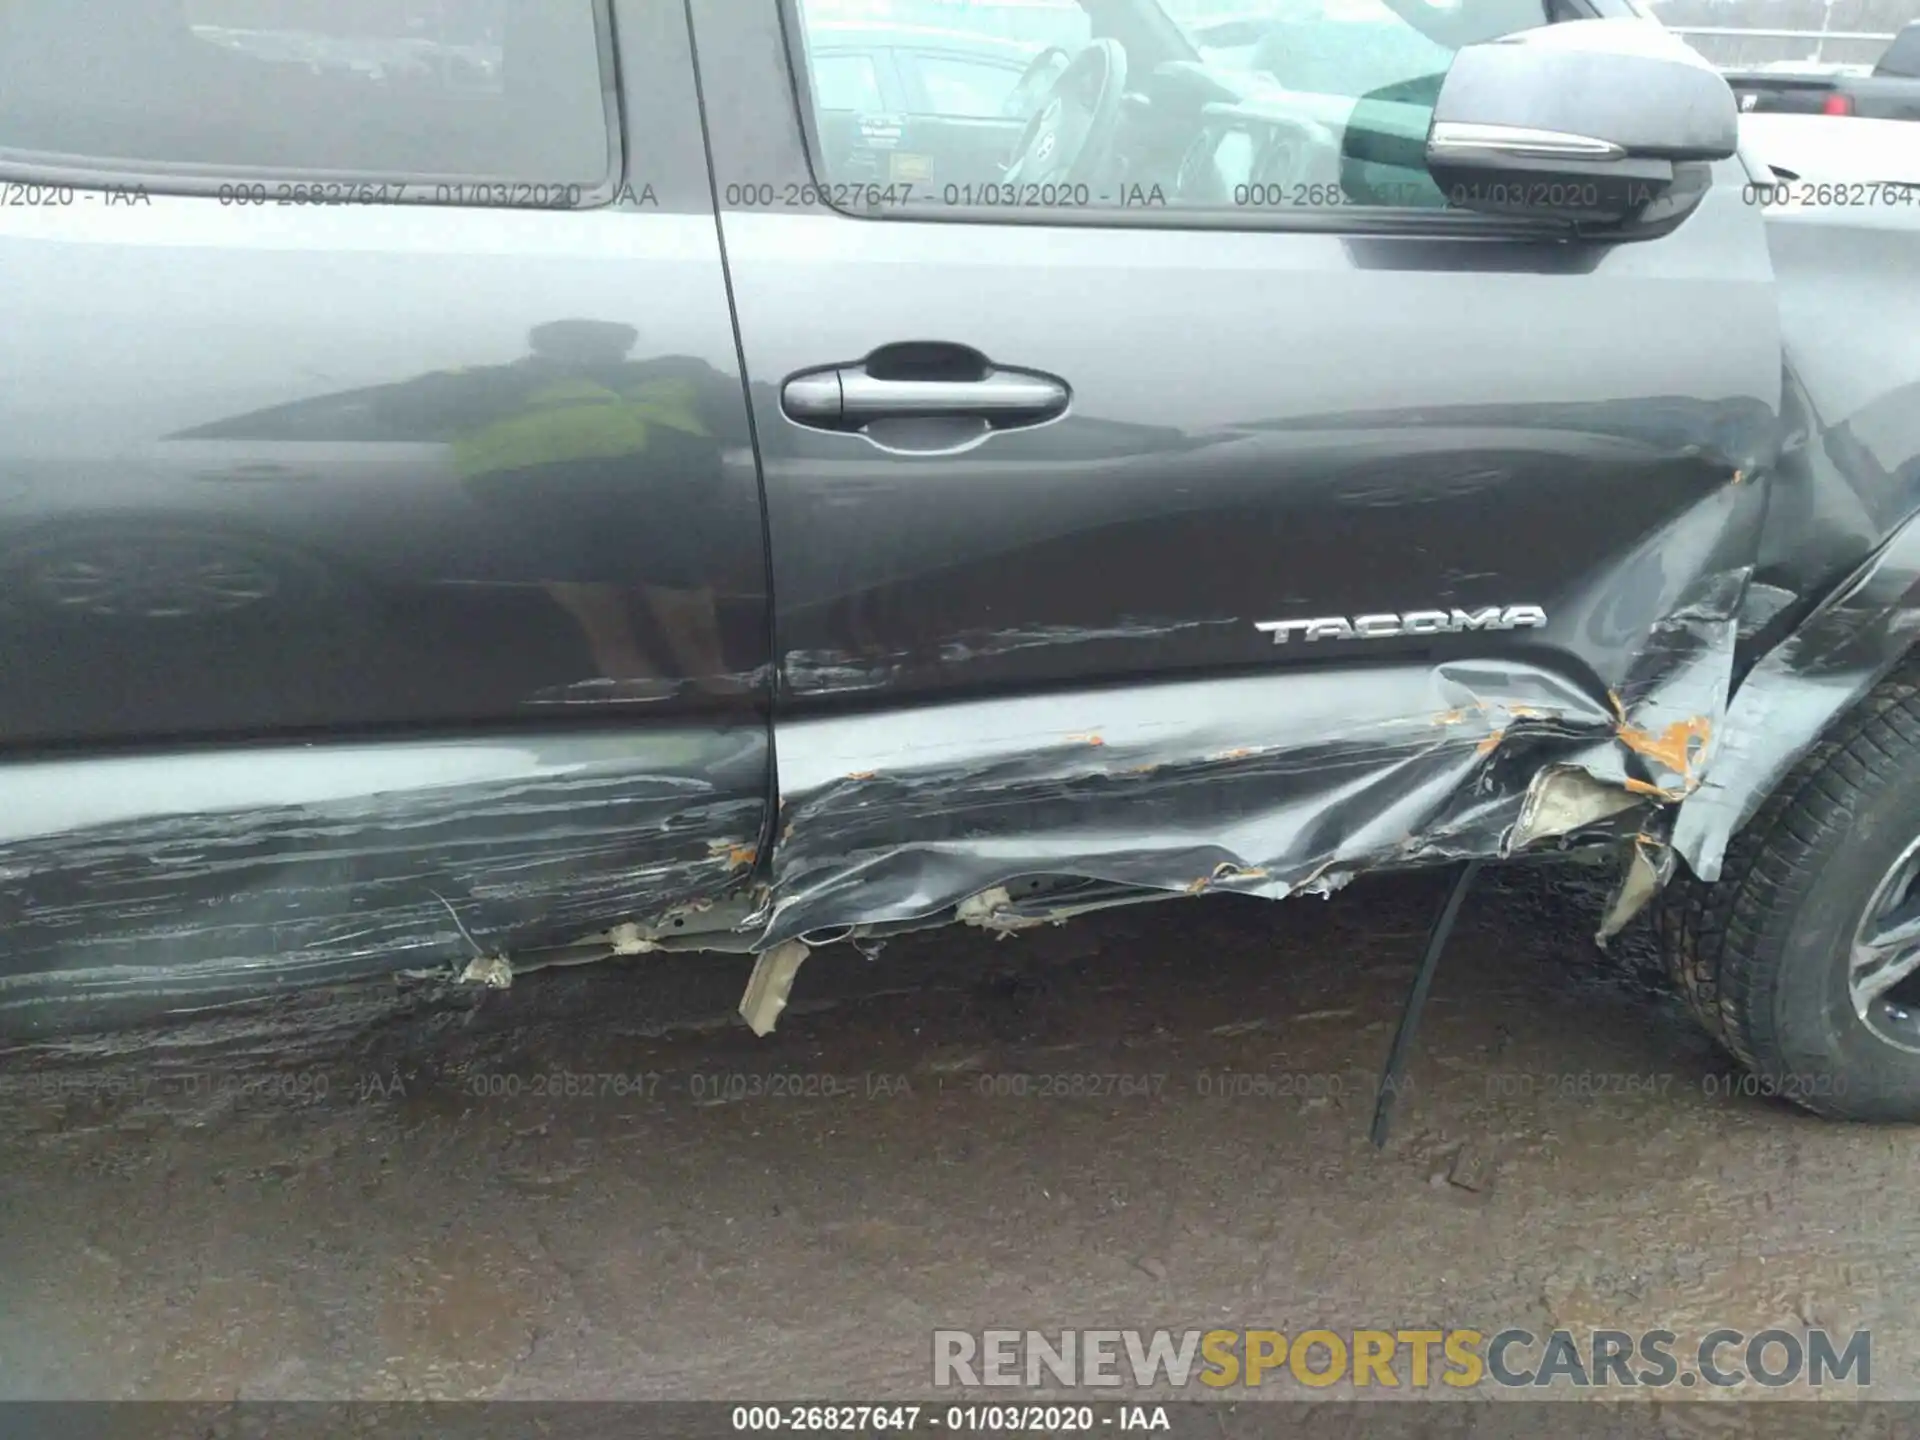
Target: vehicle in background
[[1816, 149], [946, 105], [1890, 90]]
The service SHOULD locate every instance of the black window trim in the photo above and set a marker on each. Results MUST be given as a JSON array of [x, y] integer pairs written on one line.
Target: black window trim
[[1388, 221], [82, 172]]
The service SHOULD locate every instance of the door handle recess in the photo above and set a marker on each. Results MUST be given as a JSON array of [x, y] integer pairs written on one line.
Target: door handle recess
[[847, 397]]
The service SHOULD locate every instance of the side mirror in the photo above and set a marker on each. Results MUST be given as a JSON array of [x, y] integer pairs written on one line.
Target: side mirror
[[1602, 123]]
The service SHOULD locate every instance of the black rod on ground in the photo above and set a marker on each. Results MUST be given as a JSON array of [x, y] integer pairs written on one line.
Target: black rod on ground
[[1417, 1001]]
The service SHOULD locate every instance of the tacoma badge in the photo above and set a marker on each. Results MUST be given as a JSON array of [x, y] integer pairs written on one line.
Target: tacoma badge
[[1414, 622]]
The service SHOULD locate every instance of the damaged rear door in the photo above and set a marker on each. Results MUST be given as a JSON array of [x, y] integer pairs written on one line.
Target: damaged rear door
[[1270, 533], [382, 576]]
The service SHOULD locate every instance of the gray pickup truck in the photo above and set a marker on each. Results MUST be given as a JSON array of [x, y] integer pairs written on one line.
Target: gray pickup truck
[[487, 483]]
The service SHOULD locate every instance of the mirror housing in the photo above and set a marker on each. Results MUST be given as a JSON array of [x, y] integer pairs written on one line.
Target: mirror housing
[[1598, 123]]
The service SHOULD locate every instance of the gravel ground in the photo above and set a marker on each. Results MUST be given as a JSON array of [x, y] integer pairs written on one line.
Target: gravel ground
[[598, 1184]]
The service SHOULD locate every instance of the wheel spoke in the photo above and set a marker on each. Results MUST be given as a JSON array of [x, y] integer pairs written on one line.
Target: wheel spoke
[[1885, 951], [1880, 972], [1895, 930]]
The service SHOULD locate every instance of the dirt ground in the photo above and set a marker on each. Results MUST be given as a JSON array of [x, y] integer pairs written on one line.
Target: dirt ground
[[599, 1184]]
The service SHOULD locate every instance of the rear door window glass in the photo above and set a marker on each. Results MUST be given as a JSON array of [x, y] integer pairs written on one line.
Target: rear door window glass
[[368, 89]]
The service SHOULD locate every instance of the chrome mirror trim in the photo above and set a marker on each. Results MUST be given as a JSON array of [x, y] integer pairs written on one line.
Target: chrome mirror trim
[[1458, 136]]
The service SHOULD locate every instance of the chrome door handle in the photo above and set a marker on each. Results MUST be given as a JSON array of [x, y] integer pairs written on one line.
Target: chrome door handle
[[846, 397]]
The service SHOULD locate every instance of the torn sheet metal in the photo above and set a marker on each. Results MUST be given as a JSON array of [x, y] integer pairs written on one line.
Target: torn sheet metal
[[1271, 785], [1798, 689], [770, 984], [1265, 785], [1650, 865]]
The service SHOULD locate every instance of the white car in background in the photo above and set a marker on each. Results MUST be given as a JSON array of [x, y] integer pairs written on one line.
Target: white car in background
[[1814, 149]]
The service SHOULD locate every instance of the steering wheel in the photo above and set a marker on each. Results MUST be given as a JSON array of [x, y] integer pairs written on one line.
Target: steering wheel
[[1070, 135], [1035, 83], [1299, 152]]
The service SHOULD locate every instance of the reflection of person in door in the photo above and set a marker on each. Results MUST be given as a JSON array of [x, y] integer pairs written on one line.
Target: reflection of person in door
[[611, 472], [602, 479]]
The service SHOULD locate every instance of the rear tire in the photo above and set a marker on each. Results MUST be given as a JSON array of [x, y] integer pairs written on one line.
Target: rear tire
[[1780, 958]]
